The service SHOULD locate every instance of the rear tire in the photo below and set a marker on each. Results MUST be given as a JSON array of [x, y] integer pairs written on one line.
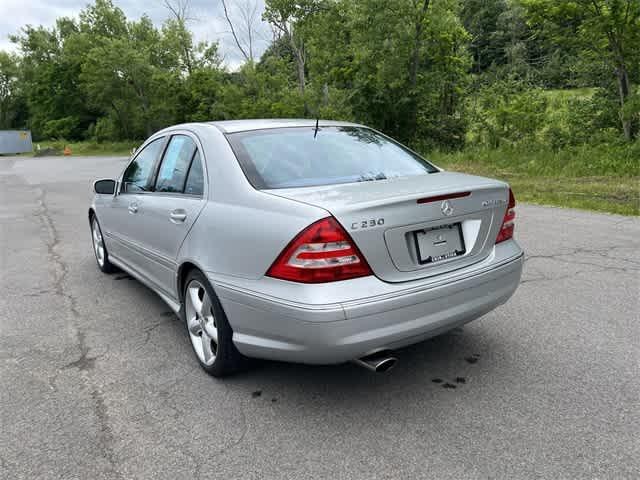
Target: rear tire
[[208, 328], [99, 248]]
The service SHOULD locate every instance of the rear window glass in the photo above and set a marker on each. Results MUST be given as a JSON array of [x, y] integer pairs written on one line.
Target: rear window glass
[[298, 157], [195, 180]]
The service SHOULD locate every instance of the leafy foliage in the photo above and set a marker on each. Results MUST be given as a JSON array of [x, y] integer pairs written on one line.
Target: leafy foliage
[[434, 73], [11, 94]]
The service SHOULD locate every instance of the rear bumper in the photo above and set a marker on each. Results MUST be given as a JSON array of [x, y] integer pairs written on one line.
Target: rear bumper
[[387, 316]]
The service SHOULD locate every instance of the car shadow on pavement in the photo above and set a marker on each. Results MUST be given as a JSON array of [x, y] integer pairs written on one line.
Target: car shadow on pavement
[[444, 364], [447, 363]]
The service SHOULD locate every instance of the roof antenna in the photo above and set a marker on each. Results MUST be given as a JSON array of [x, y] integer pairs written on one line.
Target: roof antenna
[[316, 131]]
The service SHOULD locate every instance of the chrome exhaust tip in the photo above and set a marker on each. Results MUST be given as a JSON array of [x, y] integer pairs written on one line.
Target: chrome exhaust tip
[[377, 362]]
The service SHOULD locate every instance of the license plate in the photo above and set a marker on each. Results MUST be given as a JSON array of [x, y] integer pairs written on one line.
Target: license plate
[[440, 243]]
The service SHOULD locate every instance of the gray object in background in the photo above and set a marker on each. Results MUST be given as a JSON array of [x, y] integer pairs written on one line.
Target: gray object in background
[[15, 141]]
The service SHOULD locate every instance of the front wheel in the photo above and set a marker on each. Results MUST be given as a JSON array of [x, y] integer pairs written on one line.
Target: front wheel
[[208, 328], [102, 257]]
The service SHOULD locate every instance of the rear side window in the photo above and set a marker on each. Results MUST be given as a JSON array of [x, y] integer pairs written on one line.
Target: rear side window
[[195, 179], [175, 164], [138, 175], [301, 157]]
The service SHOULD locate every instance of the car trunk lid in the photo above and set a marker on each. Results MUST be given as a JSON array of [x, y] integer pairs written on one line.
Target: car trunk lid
[[414, 227]]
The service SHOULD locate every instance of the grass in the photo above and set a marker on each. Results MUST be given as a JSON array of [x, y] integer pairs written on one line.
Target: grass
[[91, 148], [601, 178], [558, 97]]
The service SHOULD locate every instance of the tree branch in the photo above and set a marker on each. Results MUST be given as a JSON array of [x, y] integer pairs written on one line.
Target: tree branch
[[233, 32]]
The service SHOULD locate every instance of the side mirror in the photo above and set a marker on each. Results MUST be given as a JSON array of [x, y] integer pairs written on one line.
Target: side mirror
[[105, 187]]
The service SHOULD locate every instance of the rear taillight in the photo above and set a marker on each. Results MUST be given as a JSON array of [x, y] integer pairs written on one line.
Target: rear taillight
[[322, 252], [508, 223]]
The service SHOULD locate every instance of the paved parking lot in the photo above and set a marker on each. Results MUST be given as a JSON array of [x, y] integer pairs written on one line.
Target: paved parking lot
[[97, 379]]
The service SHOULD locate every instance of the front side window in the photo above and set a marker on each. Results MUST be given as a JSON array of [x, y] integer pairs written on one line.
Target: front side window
[[175, 164], [138, 175], [301, 157]]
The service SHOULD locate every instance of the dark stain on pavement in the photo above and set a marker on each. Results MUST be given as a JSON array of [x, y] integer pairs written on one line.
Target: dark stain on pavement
[[473, 358]]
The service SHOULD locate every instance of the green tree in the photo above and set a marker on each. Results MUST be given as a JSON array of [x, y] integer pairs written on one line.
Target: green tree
[[287, 17], [49, 79], [12, 107], [400, 66], [602, 29]]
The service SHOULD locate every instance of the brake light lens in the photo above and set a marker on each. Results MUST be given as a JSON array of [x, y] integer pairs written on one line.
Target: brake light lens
[[322, 252], [508, 223]]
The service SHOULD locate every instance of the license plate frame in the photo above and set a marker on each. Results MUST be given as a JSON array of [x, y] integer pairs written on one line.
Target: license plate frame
[[435, 245]]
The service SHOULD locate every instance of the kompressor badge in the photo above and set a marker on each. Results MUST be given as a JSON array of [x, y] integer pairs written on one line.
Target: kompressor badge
[[493, 202]]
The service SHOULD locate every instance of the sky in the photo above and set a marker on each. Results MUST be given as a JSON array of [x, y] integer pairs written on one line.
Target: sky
[[207, 19]]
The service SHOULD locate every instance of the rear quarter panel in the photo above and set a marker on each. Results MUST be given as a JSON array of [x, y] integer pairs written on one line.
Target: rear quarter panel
[[243, 239], [240, 231]]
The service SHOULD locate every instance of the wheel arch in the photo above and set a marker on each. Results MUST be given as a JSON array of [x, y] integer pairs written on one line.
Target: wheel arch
[[183, 270]]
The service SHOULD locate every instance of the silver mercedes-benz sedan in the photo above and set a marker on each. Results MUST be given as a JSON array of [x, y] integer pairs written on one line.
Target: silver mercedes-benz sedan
[[303, 241]]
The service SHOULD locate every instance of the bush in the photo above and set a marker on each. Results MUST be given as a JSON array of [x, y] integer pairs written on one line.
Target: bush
[[577, 117], [105, 129], [506, 113], [61, 128]]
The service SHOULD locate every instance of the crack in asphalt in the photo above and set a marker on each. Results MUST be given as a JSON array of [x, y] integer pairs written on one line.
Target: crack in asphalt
[[562, 277], [197, 460], [167, 319], [602, 252], [571, 260], [84, 363], [240, 439], [245, 426]]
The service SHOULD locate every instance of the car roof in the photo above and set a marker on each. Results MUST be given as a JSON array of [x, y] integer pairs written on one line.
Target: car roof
[[232, 126]]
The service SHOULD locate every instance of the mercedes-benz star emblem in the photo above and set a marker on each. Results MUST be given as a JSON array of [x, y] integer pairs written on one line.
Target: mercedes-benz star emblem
[[446, 208]]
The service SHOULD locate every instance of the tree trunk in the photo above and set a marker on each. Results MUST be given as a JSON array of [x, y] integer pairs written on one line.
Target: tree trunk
[[122, 119], [187, 59], [623, 90], [298, 51], [325, 94], [412, 117], [301, 75], [145, 109], [615, 40], [415, 59]]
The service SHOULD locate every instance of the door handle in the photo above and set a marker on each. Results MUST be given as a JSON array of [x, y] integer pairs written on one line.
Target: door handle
[[178, 216], [133, 208]]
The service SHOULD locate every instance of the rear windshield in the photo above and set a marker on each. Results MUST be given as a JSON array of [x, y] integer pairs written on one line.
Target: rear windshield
[[301, 157]]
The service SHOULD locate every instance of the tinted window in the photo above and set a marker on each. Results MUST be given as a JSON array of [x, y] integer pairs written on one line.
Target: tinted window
[[195, 180], [295, 157], [175, 164], [137, 176]]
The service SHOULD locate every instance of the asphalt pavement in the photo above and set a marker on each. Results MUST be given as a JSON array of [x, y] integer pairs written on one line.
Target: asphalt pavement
[[98, 381]]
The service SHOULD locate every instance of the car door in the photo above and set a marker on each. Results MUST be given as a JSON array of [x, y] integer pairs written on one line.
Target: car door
[[119, 216], [169, 212]]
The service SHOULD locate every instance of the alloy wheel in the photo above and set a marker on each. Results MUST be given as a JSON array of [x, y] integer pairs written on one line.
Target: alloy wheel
[[201, 322], [98, 242]]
